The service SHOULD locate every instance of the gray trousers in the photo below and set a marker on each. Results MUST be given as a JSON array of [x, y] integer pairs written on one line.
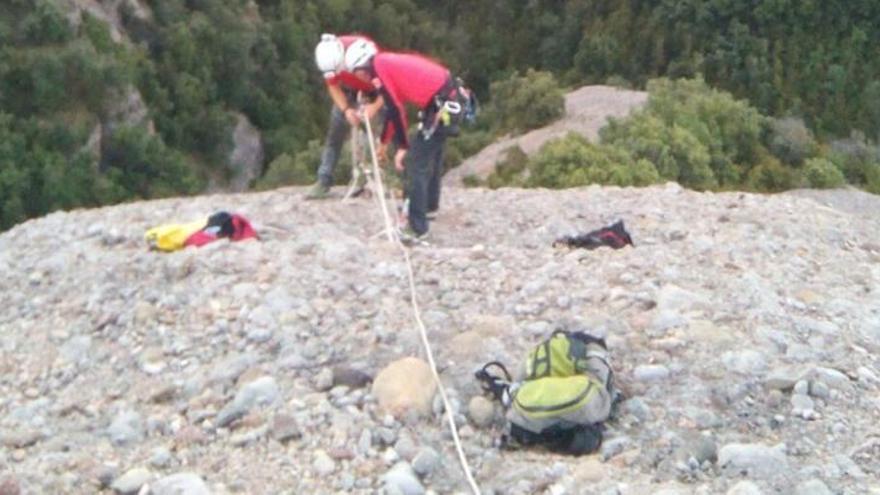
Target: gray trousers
[[337, 133], [424, 171]]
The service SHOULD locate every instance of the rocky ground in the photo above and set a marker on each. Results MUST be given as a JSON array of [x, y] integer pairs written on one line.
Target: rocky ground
[[745, 332]]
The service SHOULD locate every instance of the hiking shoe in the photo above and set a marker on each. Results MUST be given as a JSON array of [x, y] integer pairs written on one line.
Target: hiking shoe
[[318, 191], [409, 236]]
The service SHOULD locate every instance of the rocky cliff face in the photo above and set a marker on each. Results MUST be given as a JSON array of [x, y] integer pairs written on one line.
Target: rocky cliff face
[[744, 331], [247, 156]]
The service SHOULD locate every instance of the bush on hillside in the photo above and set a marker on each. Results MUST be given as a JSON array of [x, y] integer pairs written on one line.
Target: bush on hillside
[[284, 171], [731, 130], [573, 161], [595, 57], [675, 153], [522, 103], [770, 175], [791, 141], [144, 167], [823, 174], [302, 168], [470, 142], [859, 160], [44, 82], [471, 180], [46, 24], [619, 82], [509, 169]]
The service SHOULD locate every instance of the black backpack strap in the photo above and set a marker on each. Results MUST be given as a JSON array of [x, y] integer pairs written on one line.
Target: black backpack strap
[[493, 384], [586, 338]]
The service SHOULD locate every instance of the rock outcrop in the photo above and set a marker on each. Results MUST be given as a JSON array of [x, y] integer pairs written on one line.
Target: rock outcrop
[[246, 159]]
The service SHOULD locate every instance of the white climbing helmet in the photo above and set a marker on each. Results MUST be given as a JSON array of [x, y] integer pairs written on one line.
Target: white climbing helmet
[[359, 54], [329, 55]]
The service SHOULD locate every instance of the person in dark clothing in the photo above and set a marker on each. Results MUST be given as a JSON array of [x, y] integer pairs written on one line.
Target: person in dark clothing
[[343, 87], [410, 78]]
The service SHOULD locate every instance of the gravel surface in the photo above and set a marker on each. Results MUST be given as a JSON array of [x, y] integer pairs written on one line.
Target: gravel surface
[[744, 330]]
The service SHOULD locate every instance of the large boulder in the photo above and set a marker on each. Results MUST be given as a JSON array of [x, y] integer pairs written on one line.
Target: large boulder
[[756, 460], [405, 386]]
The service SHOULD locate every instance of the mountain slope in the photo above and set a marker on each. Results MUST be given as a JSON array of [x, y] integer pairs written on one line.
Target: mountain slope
[[216, 361]]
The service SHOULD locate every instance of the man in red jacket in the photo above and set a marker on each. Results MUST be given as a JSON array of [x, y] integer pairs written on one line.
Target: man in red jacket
[[343, 88], [403, 78]]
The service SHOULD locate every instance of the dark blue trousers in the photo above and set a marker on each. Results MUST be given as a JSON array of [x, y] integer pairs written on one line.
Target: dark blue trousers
[[424, 171]]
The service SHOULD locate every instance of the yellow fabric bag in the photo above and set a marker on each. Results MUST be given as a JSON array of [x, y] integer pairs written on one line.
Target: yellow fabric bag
[[172, 236]]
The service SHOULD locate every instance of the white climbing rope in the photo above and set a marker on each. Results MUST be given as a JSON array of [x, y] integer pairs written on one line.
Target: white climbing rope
[[380, 187], [392, 236]]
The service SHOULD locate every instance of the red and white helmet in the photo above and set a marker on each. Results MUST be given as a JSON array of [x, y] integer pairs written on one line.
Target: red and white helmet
[[329, 55], [359, 54]]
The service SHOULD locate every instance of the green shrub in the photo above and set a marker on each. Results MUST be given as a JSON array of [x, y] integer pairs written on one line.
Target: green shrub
[[509, 169], [144, 167], [859, 160], [730, 129], [43, 82], [770, 175], [595, 58], [467, 144], [872, 178], [791, 141], [46, 24], [573, 161], [471, 180], [98, 33], [302, 168], [675, 153], [285, 171], [823, 174], [618, 82], [522, 103]]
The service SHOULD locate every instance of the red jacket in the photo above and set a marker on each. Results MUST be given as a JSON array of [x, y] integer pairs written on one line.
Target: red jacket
[[344, 77], [405, 78]]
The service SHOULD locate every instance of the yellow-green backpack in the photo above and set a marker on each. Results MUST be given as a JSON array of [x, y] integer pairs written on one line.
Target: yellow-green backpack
[[556, 380]]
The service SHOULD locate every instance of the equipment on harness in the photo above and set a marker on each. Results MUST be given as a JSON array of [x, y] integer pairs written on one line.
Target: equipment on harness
[[453, 105], [566, 395]]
